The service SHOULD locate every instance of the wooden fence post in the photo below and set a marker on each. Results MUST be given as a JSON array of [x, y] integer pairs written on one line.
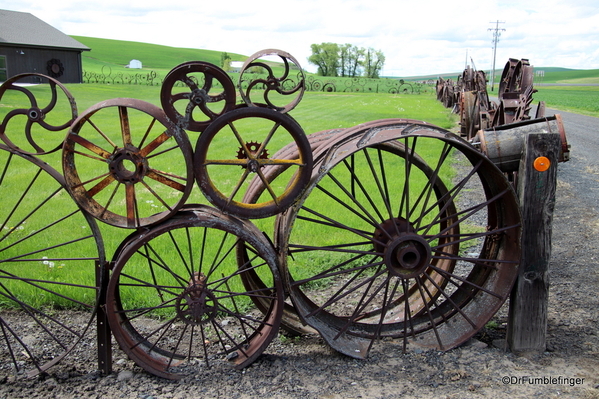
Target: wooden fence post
[[527, 322], [104, 334]]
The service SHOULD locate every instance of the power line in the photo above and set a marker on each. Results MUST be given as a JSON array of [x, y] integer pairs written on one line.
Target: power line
[[496, 33]]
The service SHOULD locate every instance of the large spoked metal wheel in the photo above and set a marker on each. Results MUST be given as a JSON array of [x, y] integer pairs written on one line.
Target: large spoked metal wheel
[[238, 146], [49, 254], [39, 114], [177, 301], [381, 245], [195, 93], [126, 164]]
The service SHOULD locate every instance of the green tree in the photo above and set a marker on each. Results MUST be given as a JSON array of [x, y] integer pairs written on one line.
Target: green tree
[[350, 60], [225, 61], [373, 63], [346, 60], [355, 61], [326, 57]]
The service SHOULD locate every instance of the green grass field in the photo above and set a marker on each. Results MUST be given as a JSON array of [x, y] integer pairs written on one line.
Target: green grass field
[[103, 59], [318, 111], [579, 99]]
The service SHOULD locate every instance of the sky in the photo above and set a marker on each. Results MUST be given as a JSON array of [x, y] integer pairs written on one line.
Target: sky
[[417, 37]]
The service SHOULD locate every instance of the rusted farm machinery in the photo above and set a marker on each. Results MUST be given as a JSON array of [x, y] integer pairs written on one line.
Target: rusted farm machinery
[[498, 128], [392, 249], [468, 97]]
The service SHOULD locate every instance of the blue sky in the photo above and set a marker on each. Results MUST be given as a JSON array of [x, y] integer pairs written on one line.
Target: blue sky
[[417, 37]]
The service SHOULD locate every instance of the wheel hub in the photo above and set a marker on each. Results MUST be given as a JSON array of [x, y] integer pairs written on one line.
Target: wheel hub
[[406, 254], [35, 114], [199, 97], [127, 166], [196, 304], [252, 147]]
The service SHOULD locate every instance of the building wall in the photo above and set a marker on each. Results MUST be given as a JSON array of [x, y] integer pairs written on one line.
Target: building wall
[[65, 64]]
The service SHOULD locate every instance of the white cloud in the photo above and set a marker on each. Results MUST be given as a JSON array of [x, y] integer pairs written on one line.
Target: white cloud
[[417, 38]]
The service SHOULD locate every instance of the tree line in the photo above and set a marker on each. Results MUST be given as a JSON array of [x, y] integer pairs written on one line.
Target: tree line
[[346, 60]]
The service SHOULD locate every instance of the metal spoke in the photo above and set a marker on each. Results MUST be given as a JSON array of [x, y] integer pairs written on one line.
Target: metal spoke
[[192, 265], [399, 211]]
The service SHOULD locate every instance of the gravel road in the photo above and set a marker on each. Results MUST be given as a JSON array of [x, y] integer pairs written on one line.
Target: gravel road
[[306, 368]]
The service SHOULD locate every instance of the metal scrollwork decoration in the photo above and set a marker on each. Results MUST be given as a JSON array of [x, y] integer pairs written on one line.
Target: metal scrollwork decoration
[[207, 93], [33, 115], [275, 88]]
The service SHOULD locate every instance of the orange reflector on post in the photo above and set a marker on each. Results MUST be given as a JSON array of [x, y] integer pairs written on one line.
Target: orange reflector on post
[[542, 164]]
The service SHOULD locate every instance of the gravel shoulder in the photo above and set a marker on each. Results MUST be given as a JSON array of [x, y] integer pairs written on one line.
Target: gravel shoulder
[[307, 368]]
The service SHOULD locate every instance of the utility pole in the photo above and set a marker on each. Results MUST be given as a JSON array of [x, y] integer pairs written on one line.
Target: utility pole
[[496, 33]]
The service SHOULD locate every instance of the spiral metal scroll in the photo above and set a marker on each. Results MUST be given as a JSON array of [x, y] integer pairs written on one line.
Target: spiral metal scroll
[[276, 88], [207, 93], [35, 121]]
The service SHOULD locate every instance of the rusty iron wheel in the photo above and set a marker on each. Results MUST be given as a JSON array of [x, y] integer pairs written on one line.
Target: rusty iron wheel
[[195, 309], [290, 321], [195, 93], [275, 90], [50, 251], [41, 117], [379, 245], [133, 175], [469, 114], [223, 176]]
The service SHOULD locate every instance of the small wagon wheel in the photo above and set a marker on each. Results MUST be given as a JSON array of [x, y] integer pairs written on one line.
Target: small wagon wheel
[[238, 145], [396, 254], [30, 129], [176, 297], [127, 164], [195, 93], [49, 252], [276, 90]]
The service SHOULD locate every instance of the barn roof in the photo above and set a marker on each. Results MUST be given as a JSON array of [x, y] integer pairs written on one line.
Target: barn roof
[[23, 28]]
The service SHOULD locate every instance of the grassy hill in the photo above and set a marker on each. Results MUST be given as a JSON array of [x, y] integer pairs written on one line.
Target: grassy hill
[[118, 53]]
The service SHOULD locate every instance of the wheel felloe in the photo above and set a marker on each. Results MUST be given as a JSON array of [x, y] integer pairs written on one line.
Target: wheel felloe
[[133, 177], [178, 300], [397, 261]]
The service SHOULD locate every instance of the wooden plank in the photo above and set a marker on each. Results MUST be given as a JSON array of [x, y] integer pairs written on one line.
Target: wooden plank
[[527, 322]]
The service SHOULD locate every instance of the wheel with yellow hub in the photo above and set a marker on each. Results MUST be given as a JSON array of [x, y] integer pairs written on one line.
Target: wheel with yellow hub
[[237, 146]]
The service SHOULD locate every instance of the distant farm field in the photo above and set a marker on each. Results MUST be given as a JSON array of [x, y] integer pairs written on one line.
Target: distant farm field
[[580, 99], [111, 56], [317, 110]]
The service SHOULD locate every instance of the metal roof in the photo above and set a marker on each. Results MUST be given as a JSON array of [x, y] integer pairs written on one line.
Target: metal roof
[[23, 28]]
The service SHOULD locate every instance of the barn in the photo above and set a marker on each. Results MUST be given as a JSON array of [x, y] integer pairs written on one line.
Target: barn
[[28, 44]]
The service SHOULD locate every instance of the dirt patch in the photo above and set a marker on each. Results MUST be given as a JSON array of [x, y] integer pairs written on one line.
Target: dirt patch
[[306, 367]]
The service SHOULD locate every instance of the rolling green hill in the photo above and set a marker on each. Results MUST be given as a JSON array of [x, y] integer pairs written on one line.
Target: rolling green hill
[[118, 53]]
